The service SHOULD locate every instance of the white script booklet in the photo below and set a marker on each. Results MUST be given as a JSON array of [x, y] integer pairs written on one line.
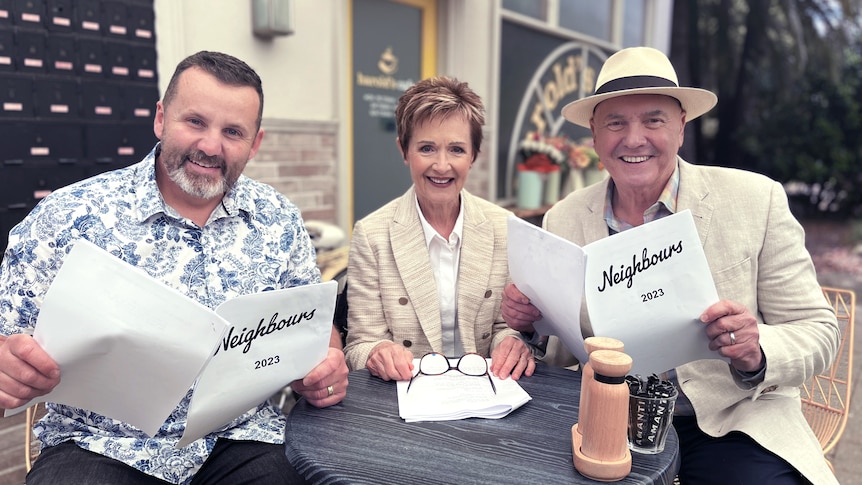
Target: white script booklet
[[646, 286], [453, 395], [130, 347]]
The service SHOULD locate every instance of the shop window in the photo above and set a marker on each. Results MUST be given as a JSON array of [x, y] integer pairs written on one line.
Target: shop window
[[634, 18], [587, 16], [530, 8]]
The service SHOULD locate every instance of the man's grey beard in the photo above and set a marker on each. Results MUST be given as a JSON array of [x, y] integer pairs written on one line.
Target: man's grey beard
[[198, 186]]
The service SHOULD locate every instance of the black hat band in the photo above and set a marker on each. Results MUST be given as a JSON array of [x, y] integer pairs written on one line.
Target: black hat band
[[635, 82]]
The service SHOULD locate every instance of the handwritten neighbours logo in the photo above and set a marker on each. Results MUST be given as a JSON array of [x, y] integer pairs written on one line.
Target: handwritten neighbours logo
[[566, 74]]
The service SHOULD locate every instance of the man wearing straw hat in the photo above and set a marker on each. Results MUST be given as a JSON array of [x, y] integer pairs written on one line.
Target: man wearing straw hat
[[739, 422]]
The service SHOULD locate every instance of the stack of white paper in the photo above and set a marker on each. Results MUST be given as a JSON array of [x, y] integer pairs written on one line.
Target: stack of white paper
[[646, 286], [130, 347], [454, 395]]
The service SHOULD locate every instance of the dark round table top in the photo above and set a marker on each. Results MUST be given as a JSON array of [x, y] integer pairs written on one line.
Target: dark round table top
[[363, 440]]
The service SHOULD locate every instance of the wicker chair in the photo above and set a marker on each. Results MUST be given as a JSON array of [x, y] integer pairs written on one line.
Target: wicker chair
[[826, 397], [31, 447]]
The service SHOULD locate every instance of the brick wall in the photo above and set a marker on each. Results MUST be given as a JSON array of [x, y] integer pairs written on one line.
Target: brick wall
[[300, 159]]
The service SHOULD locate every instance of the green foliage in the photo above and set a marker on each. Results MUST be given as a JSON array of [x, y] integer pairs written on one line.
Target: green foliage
[[814, 134], [789, 79]]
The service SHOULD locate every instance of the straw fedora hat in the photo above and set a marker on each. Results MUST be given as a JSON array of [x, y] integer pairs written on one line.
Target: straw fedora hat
[[639, 70]]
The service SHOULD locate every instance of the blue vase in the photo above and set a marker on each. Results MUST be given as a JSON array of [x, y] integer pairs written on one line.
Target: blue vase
[[529, 189]]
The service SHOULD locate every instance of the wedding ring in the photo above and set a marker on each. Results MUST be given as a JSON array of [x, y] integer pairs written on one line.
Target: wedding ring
[[329, 391], [732, 338]]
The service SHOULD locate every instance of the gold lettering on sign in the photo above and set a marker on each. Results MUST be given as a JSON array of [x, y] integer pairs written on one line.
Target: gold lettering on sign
[[564, 82], [382, 82], [385, 82], [388, 65], [388, 62]]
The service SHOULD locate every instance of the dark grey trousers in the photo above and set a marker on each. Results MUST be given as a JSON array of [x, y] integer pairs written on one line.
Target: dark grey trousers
[[233, 462]]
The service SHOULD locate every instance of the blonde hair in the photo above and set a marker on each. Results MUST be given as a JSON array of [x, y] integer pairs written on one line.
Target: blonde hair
[[438, 98]]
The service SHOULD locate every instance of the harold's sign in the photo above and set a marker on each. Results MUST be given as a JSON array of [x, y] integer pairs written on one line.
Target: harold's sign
[[567, 73]]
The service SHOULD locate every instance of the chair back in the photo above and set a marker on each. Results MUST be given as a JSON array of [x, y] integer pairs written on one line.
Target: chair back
[[31, 446], [826, 397]]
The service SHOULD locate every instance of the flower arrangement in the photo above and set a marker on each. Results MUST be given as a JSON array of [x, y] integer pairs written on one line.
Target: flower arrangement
[[540, 151], [583, 155], [539, 174], [556, 166]]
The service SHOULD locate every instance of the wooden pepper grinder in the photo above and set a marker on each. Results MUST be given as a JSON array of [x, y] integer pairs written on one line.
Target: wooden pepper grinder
[[591, 344], [600, 451]]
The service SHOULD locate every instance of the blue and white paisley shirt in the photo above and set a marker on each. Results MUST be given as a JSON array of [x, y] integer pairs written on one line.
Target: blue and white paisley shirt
[[254, 241]]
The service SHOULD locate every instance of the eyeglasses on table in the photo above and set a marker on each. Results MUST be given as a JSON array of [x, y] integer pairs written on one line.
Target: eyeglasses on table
[[470, 364]]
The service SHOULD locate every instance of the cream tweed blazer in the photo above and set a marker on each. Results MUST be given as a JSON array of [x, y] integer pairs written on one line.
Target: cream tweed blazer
[[392, 294], [757, 257]]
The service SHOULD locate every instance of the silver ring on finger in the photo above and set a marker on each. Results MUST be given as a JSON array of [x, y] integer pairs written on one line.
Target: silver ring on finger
[[732, 338]]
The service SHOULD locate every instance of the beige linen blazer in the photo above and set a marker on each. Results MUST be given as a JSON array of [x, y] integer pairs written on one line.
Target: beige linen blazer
[[392, 295], [757, 257]]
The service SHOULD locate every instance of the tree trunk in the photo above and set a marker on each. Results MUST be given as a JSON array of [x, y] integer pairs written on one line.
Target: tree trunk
[[733, 96], [685, 52]]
